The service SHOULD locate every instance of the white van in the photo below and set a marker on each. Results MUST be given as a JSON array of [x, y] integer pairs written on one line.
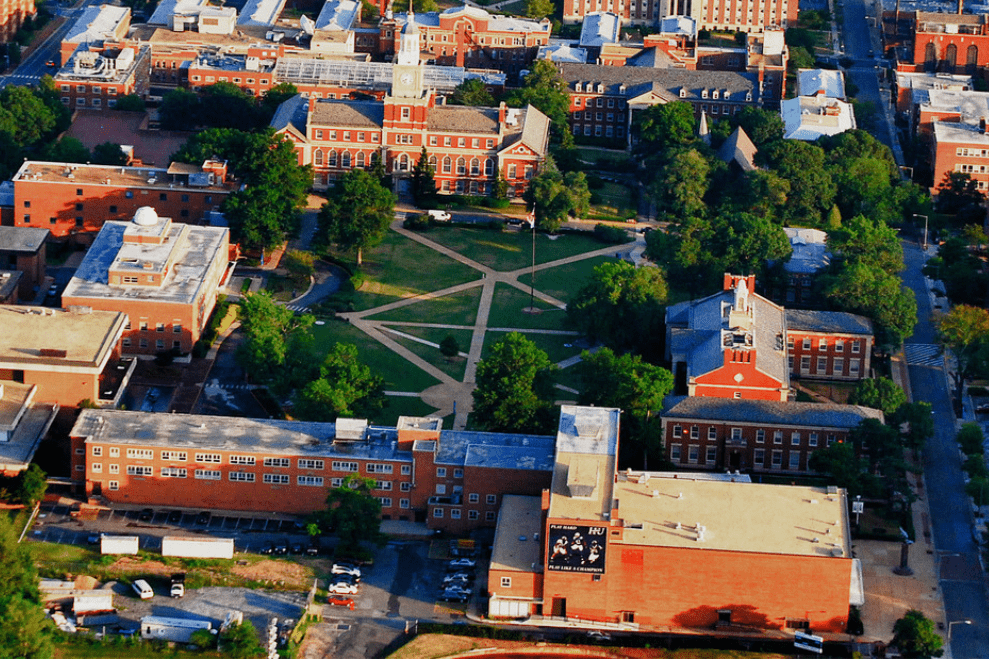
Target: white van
[[439, 216], [142, 589]]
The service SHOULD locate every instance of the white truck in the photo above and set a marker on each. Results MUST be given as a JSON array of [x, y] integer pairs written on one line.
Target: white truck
[[119, 544], [178, 585], [185, 547]]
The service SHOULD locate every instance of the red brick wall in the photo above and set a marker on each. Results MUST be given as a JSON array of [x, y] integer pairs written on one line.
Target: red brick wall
[[754, 385], [64, 388], [962, 43], [831, 353]]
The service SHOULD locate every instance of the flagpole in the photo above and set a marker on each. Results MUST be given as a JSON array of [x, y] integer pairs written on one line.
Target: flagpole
[[532, 275]]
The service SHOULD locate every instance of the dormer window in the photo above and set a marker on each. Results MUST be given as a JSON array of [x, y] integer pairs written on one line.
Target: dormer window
[[683, 93], [600, 88], [577, 86], [748, 97], [727, 94], [703, 93], [715, 94]]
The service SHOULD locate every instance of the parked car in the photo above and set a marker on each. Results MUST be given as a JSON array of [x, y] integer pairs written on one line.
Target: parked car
[[281, 547], [312, 549], [298, 548], [93, 539], [462, 562], [595, 635], [455, 595], [458, 577], [339, 600], [343, 588], [203, 518], [982, 409], [345, 568], [142, 589], [146, 515], [174, 517], [268, 548]]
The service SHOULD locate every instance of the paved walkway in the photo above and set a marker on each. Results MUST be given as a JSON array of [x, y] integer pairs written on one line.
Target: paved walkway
[[453, 396]]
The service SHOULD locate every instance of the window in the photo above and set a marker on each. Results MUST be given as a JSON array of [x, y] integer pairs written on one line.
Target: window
[[404, 504], [795, 439], [760, 436], [208, 457], [506, 582], [711, 455], [693, 453], [336, 482], [382, 485], [777, 459], [473, 497], [458, 473], [114, 469], [241, 476], [97, 451], [822, 344], [736, 434], [805, 364], [455, 513], [440, 488], [777, 437], [794, 460], [853, 367], [384, 501], [677, 430], [441, 472], [376, 468], [114, 485], [160, 344], [114, 452], [276, 479], [839, 366], [447, 164], [822, 365], [406, 487], [472, 514], [491, 499], [97, 468], [310, 481], [812, 439], [855, 347], [695, 432], [839, 345], [712, 432], [437, 512], [177, 456], [806, 343], [173, 472], [406, 470], [461, 166], [675, 453], [760, 457], [311, 464], [343, 466], [139, 470], [242, 460], [489, 516], [277, 462], [141, 453]]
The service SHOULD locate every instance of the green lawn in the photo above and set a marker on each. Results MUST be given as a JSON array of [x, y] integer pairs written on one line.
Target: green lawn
[[399, 374], [507, 306], [568, 378], [511, 250], [122, 649], [402, 268], [456, 309], [564, 280], [612, 199], [406, 406], [455, 368], [554, 345]]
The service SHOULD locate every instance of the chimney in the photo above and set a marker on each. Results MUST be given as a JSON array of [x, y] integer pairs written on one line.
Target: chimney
[[502, 111], [960, 3], [982, 125]]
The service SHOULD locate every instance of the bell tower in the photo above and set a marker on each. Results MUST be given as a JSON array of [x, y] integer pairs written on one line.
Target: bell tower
[[407, 72]]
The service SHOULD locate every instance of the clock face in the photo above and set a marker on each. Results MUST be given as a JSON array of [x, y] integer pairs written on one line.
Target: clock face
[[407, 78]]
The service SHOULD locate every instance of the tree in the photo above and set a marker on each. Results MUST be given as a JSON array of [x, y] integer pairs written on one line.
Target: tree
[[268, 328], [108, 153], [866, 241], [346, 387], [24, 631], [449, 346], [661, 127], [553, 196], [916, 424], [225, 105], [880, 394], [240, 640], [959, 194], [812, 190], [681, 183], [472, 92], [33, 485], [25, 116], [916, 637], [130, 103], [871, 291], [354, 514], [357, 214], [745, 242], [971, 439], [964, 330], [66, 149], [635, 387], [179, 110], [424, 181], [300, 265], [276, 96], [514, 388], [764, 128], [203, 639], [545, 89], [841, 464], [621, 306], [539, 8]]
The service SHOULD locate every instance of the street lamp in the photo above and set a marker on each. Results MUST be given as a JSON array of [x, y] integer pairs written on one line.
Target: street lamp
[[925, 228], [957, 622]]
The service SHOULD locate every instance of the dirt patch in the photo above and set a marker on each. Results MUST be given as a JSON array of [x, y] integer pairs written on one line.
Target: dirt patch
[[318, 643], [289, 574], [128, 564]]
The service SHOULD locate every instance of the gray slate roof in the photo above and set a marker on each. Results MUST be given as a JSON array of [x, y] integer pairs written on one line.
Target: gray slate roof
[[292, 113], [357, 114], [738, 148], [814, 415], [671, 80], [24, 240], [838, 322], [463, 119]]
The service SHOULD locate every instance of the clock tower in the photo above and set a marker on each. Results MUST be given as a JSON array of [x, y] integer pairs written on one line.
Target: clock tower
[[407, 72]]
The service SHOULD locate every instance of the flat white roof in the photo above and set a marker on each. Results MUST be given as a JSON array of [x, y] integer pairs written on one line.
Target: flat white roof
[[810, 81], [96, 23]]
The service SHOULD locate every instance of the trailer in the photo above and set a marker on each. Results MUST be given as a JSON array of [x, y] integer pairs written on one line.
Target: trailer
[[176, 630], [118, 544], [185, 547]]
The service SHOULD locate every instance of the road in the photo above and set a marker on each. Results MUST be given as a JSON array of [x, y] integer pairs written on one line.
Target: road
[[33, 67], [961, 578]]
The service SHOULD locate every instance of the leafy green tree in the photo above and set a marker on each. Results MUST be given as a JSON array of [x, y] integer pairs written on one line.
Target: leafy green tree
[[761, 193], [300, 265], [357, 214], [33, 485], [840, 462], [24, 115], [881, 443], [472, 92], [275, 97], [553, 196], [745, 242], [49, 94], [812, 191], [108, 153], [130, 103], [449, 346], [964, 330], [545, 89], [180, 110], [879, 393], [354, 514], [225, 105], [763, 127], [514, 388], [958, 194], [202, 639], [873, 292], [961, 271], [346, 387], [539, 8], [66, 149], [916, 424], [971, 439], [916, 637], [621, 306], [866, 241], [635, 387], [268, 329], [24, 631], [240, 640], [424, 181], [661, 127], [681, 183]]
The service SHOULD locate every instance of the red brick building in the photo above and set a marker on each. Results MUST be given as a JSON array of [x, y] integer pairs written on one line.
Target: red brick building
[[23, 249], [961, 147], [97, 25], [948, 43], [761, 436], [727, 15], [471, 37], [468, 146], [75, 200], [163, 276], [641, 552], [450, 480], [12, 15], [828, 345], [95, 78]]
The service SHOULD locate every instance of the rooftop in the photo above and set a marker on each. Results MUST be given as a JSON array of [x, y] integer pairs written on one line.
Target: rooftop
[[356, 114], [563, 53], [9, 281], [373, 75], [732, 516], [24, 240], [599, 28], [108, 66], [768, 412], [97, 23], [959, 133], [971, 105], [810, 117], [739, 149], [168, 8], [184, 257], [517, 546], [836, 322], [693, 83], [33, 337], [586, 451], [810, 251], [338, 15], [463, 119], [810, 81], [23, 424], [919, 81], [260, 12], [151, 178]]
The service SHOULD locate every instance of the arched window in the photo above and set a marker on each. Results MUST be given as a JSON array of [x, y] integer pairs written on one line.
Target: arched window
[[403, 162], [930, 57], [447, 163], [332, 161], [489, 167], [432, 162], [475, 167], [461, 166], [950, 58], [360, 159], [317, 157], [374, 157], [345, 160], [972, 59]]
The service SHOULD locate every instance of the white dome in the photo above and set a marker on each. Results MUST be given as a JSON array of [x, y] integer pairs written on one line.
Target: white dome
[[146, 217]]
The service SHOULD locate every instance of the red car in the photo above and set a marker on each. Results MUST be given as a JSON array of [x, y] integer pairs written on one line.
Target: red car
[[337, 600]]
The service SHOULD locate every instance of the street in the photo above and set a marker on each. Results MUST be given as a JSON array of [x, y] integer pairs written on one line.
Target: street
[[34, 66]]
